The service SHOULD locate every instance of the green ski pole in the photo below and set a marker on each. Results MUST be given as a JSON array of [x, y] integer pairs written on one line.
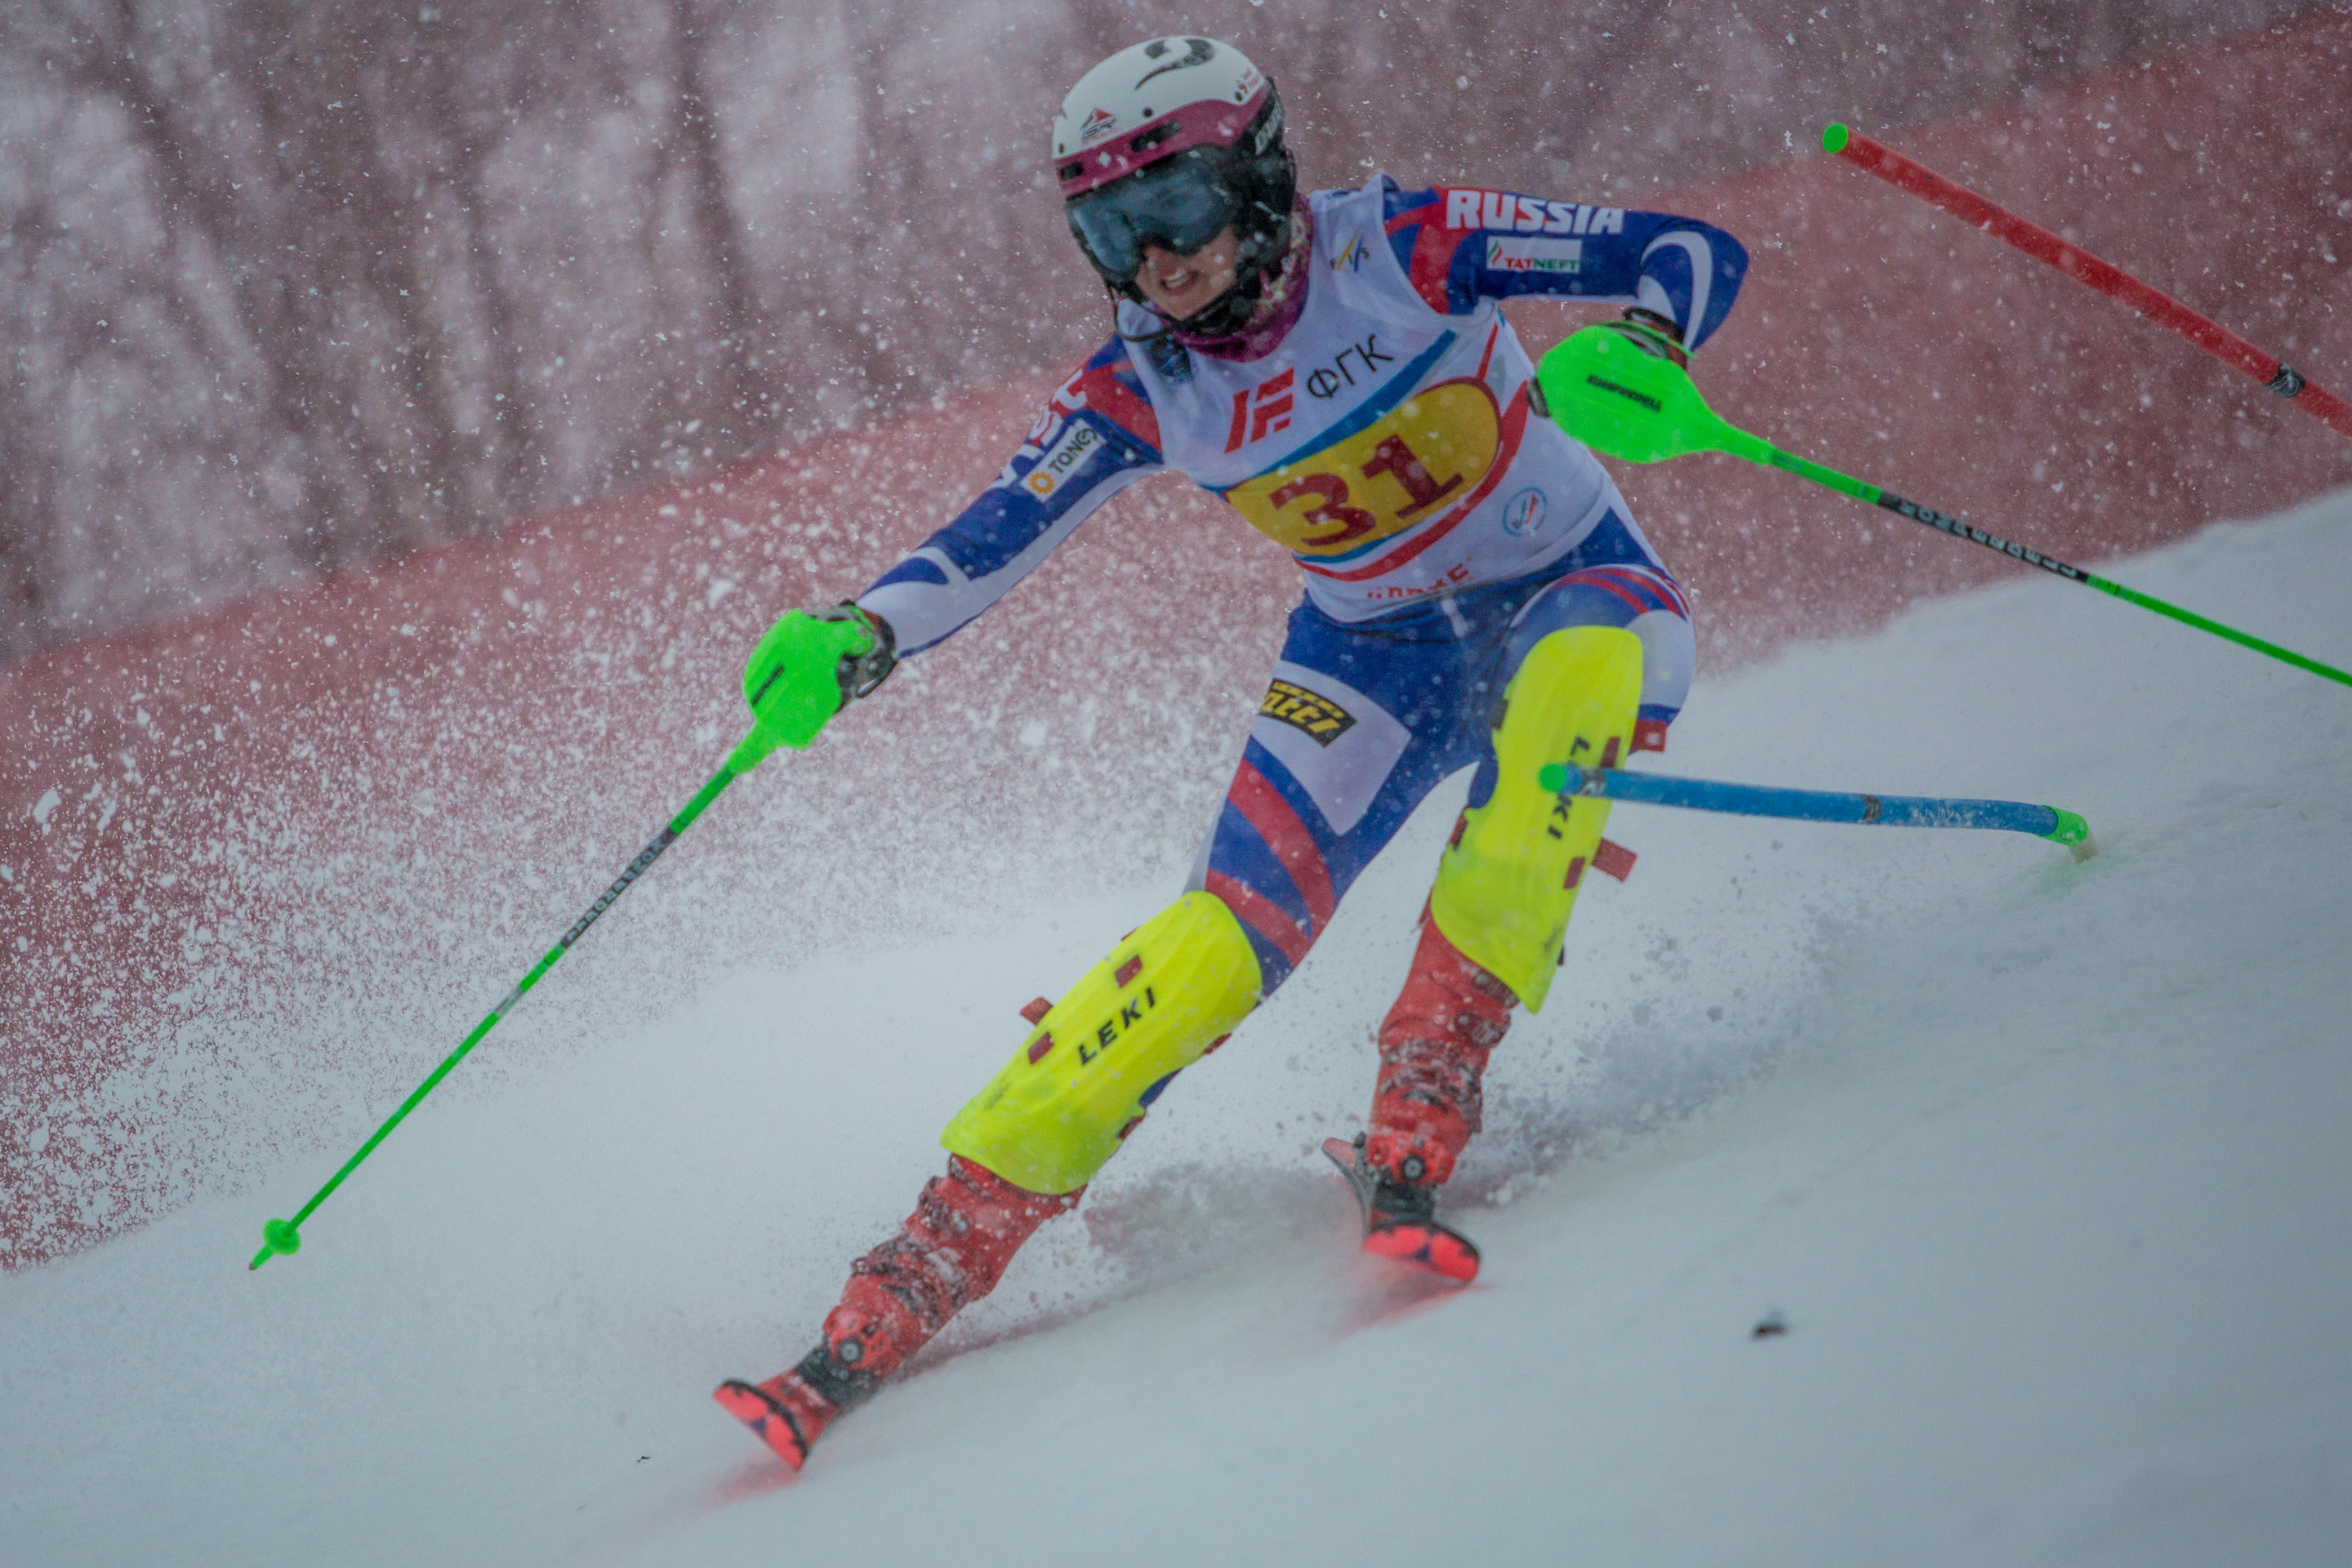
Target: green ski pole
[[803, 671], [283, 1235], [1614, 394]]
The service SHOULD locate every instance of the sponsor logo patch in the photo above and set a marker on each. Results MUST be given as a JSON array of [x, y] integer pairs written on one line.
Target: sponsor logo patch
[[1523, 513], [1327, 383], [1063, 458], [1116, 1027], [1317, 718], [1555, 256], [1099, 124], [1261, 411], [1454, 576], [1352, 255]]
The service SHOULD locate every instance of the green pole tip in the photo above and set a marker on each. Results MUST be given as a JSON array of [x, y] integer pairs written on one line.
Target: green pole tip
[[2074, 833], [1554, 777], [279, 1237], [1834, 139]]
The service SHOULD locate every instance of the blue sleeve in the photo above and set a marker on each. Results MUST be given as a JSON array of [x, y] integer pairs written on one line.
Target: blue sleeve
[[1095, 437], [1460, 246]]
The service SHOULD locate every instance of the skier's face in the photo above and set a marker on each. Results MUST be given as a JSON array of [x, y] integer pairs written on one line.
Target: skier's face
[[1181, 286]]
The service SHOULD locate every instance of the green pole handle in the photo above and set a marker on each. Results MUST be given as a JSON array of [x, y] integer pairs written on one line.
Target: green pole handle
[[284, 1236], [1612, 392]]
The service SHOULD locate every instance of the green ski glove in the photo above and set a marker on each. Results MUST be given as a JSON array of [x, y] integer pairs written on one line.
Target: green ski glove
[[807, 669]]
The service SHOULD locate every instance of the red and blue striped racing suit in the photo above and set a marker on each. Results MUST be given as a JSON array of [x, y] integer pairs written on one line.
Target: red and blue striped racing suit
[[1387, 442]]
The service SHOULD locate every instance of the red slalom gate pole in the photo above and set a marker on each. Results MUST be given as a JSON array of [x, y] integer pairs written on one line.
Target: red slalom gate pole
[[2081, 266]]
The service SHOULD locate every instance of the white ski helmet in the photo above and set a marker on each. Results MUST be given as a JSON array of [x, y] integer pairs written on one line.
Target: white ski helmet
[[1173, 142]]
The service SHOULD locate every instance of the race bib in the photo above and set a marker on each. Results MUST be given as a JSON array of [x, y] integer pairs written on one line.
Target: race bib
[[1413, 465]]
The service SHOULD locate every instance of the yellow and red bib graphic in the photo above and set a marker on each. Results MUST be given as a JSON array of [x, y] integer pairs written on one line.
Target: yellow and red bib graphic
[[1419, 461]]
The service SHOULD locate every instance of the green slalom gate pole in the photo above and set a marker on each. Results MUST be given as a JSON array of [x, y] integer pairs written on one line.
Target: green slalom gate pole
[[284, 1236], [2060, 826], [1619, 397]]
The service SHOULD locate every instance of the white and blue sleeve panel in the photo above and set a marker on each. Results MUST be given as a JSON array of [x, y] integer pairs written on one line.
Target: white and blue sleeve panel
[[1096, 435], [1460, 246]]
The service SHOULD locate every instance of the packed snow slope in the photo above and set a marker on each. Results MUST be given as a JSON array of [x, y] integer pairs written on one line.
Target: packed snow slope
[[2042, 1166], [253, 859]]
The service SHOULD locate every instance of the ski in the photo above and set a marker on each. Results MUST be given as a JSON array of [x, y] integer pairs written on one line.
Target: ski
[[791, 1410], [1401, 1222], [768, 1416]]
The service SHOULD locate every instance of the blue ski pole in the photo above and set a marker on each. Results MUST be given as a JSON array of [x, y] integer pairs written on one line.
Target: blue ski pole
[[2061, 827]]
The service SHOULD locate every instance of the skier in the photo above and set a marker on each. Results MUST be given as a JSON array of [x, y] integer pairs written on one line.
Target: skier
[[1338, 368]]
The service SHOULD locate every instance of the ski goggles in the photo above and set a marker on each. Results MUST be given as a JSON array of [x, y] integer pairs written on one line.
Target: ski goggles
[[1181, 204]]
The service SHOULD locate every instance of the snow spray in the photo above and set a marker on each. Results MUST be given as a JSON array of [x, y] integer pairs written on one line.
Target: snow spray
[[283, 1236]]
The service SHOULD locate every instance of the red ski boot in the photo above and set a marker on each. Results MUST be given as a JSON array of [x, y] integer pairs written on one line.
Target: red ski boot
[[791, 1409], [1434, 1048], [947, 1254]]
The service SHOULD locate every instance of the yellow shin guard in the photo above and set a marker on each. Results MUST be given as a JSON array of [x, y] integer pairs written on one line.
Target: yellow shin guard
[[1057, 1112], [1506, 888]]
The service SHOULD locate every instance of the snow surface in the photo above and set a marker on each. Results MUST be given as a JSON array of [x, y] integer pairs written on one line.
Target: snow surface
[[2042, 1166]]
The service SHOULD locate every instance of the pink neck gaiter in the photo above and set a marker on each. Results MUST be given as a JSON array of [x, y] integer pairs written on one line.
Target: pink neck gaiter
[[1277, 308]]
